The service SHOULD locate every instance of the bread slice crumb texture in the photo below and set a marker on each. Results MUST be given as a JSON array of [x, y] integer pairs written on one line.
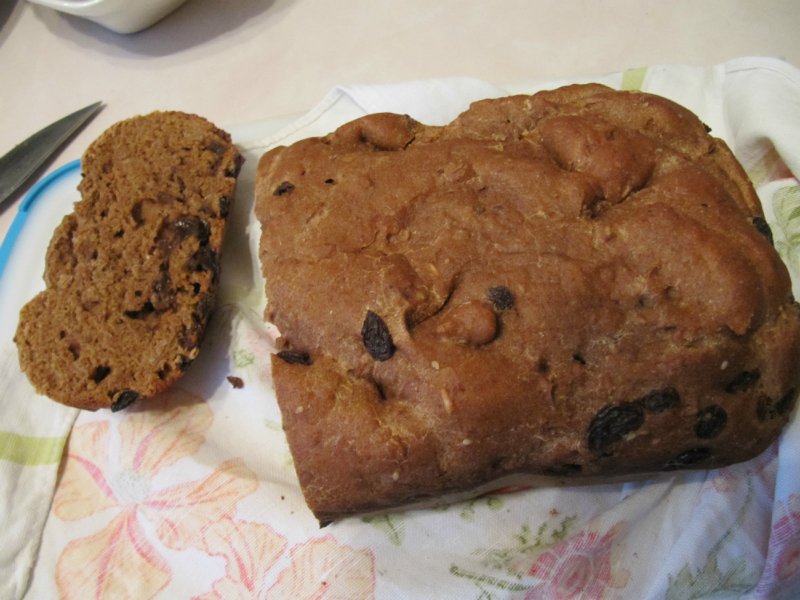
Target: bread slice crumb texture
[[131, 274]]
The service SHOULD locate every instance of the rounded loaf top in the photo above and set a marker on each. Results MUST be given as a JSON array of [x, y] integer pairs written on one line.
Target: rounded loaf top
[[575, 282]]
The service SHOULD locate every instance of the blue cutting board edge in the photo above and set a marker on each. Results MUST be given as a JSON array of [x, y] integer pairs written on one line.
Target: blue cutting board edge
[[36, 192]]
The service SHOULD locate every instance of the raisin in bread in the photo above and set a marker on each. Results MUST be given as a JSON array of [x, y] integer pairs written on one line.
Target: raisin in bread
[[578, 282], [131, 274]]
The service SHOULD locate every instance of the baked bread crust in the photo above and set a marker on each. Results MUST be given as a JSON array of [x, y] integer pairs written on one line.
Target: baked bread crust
[[131, 274], [578, 282]]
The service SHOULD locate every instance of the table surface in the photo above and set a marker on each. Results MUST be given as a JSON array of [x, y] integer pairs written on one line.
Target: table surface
[[256, 59]]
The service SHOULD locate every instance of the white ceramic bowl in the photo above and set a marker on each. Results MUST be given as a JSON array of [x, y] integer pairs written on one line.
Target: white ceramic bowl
[[122, 16]]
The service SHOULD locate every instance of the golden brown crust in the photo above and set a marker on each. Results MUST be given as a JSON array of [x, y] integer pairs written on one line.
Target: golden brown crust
[[575, 282], [131, 274]]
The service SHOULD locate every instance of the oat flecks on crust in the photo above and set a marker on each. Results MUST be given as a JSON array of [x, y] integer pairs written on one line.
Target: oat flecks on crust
[[131, 274], [577, 282]]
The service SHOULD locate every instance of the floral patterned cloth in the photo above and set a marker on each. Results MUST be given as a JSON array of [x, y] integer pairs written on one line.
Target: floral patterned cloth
[[193, 495]]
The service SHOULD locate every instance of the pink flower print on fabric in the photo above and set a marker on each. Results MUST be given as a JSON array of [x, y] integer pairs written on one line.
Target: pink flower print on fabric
[[250, 551], [782, 569], [118, 561], [323, 569], [319, 569], [578, 567], [762, 469]]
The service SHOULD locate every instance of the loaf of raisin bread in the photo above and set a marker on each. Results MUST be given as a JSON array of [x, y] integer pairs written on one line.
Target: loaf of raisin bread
[[575, 283], [131, 274]]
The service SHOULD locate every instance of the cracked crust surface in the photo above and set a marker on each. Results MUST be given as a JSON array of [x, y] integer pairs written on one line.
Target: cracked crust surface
[[131, 274], [576, 282]]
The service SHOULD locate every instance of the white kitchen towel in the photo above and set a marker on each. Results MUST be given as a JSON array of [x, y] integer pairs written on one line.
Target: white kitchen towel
[[33, 432], [194, 495]]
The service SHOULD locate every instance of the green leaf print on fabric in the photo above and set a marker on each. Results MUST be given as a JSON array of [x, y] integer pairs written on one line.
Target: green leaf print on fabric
[[481, 581], [391, 524], [526, 543], [468, 511], [510, 563], [786, 205], [710, 579], [243, 358], [468, 508], [690, 583], [273, 425]]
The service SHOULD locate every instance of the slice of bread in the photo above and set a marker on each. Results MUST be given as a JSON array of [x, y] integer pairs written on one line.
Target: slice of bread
[[131, 274]]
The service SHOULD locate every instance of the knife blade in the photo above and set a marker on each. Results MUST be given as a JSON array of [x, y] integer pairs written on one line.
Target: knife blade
[[17, 166]]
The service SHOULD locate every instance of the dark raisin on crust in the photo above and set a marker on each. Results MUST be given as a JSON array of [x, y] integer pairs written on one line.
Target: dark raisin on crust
[[501, 297], [286, 187], [612, 423], [376, 337], [236, 382], [658, 401], [710, 421], [764, 229], [786, 403], [294, 357], [767, 408], [743, 381], [100, 373], [688, 457], [124, 400]]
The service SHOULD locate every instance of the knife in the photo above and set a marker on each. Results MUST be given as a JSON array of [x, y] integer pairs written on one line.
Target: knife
[[21, 162]]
